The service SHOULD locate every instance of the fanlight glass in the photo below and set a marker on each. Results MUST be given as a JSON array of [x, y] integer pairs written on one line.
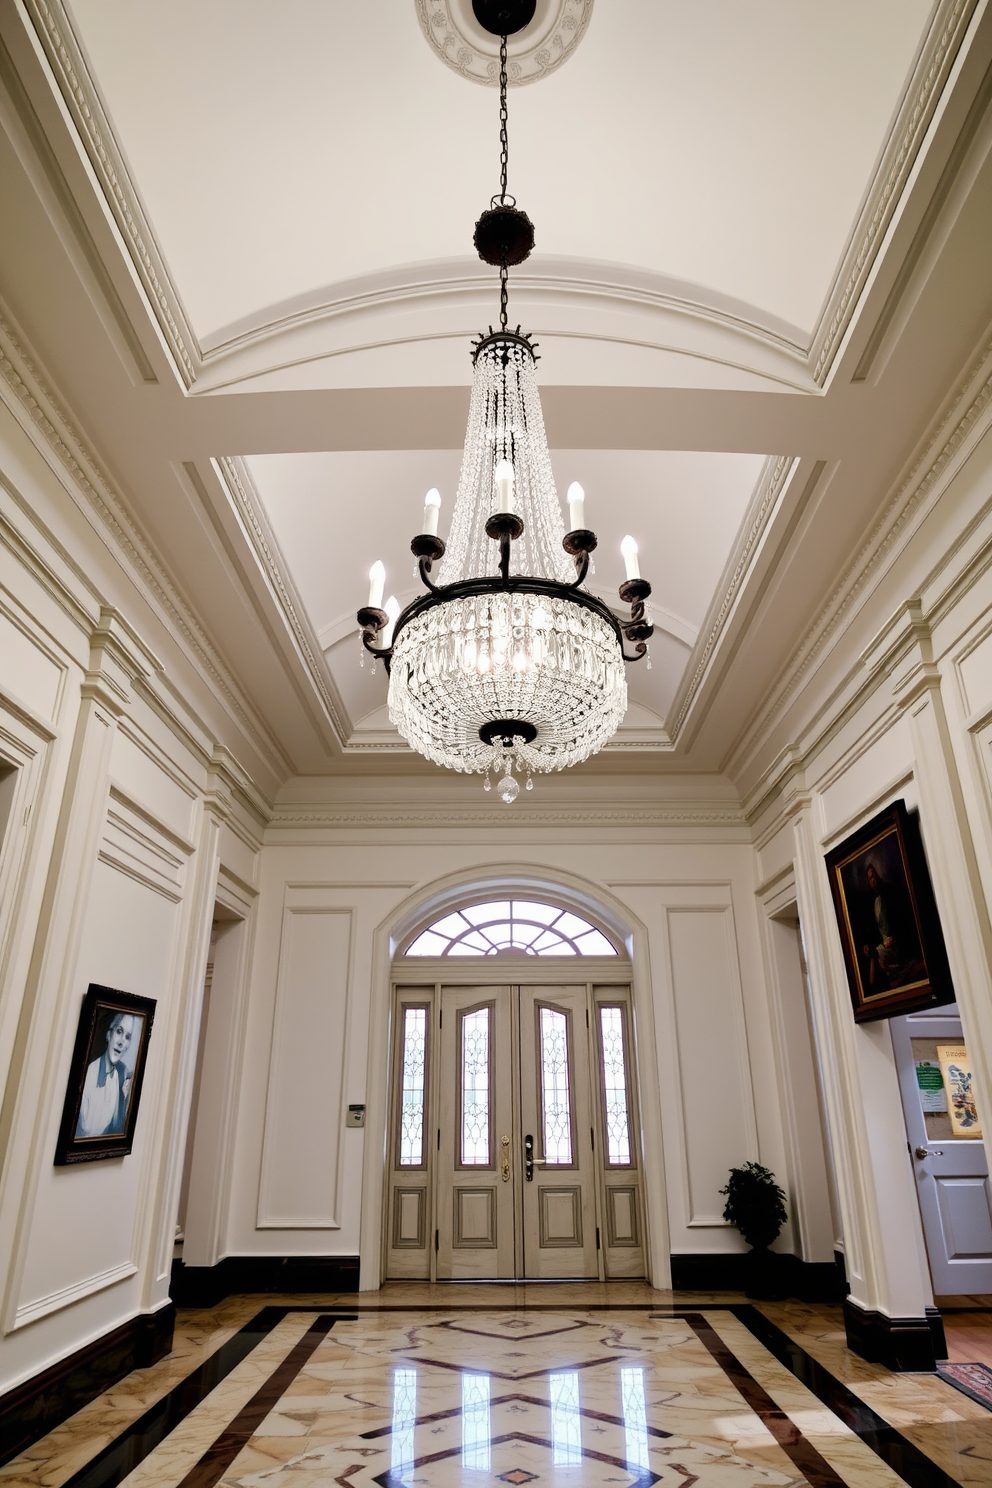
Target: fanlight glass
[[512, 925]]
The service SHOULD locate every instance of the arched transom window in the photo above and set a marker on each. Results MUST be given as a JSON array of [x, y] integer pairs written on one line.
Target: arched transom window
[[512, 925]]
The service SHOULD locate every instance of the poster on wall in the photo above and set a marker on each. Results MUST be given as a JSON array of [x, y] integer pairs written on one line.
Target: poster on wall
[[108, 1065], [893, 944], [955, 1067]]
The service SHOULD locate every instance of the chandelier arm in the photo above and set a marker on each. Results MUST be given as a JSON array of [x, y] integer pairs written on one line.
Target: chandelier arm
[[641, 651]]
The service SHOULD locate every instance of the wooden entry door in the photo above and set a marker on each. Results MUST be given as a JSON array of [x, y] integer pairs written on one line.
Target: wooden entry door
[[515, 1174]]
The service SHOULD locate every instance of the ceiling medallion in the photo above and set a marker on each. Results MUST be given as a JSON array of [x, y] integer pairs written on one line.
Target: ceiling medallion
[[457, 31], [507, 662]]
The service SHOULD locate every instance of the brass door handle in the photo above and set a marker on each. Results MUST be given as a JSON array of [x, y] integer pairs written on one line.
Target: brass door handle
[[922, 1152], [505, 1144]]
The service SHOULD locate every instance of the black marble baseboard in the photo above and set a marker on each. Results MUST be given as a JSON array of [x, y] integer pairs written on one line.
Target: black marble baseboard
[[809, 1281], [38, 1405], [205, 1286], [901, 1344]]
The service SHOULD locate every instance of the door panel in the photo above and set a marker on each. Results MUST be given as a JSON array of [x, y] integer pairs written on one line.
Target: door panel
[[952, 1175], [475, 1214], [559, 1195]]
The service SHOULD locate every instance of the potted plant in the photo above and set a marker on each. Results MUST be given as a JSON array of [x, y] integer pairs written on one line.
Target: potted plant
[[756, 1206]]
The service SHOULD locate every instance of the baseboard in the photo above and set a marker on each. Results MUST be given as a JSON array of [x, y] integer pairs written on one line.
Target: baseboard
[[38, 1405], [810, 1281], [205, 1286], [901, 1344]]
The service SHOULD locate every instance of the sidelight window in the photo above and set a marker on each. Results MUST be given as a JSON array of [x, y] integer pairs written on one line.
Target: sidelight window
[[616, 1111], [475, 1088], [413, 1087], [555, 1100]]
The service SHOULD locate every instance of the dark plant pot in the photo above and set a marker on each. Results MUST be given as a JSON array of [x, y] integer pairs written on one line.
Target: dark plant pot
[[766, 1275]]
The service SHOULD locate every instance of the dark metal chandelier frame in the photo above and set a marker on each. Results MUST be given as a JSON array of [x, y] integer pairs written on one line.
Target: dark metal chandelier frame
[[504, 236]]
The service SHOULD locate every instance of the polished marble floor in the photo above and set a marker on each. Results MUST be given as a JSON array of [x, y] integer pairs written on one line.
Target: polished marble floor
[[484, 1385]]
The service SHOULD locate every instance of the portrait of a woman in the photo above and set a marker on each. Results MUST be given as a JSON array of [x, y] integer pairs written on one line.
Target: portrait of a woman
[[107, 1085]]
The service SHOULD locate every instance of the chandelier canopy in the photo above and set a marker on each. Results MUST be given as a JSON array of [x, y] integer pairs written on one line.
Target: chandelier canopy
[[507, 661]]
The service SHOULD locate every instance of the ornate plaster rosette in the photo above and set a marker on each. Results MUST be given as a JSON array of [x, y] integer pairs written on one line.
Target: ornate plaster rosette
[[458, 39]]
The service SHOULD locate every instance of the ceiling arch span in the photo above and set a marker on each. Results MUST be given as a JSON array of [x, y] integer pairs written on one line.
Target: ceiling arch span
[[600, 321]]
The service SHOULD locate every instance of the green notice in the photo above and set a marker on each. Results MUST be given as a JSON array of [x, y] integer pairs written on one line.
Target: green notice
[[933, 1097]]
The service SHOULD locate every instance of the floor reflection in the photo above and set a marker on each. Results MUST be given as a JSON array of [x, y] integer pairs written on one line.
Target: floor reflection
[[566, 1430], [404, 1420], [476, 1432], [635, 1416]]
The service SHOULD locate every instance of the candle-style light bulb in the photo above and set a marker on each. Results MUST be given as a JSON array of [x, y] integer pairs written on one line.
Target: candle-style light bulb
[[503, 476], [629, 550], [377, 582], [432, 505], [576, 507], [392, 608]]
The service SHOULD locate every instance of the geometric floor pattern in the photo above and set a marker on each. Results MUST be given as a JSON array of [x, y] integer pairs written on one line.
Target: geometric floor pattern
[[605, 1396]]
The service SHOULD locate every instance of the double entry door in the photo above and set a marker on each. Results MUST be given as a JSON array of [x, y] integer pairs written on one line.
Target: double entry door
[[527, 1164]]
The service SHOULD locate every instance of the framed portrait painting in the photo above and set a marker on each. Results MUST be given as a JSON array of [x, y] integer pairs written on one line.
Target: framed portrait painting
[[889, 929], [108, 1065]]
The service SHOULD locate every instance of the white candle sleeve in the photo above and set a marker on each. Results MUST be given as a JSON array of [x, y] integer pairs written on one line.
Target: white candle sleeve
[[377, 582], [432, 507], [503, 476], [629, 550], [576, 507]]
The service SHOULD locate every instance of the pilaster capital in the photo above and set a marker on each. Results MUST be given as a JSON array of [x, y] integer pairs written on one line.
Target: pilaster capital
[[118, 659], [902, 651]]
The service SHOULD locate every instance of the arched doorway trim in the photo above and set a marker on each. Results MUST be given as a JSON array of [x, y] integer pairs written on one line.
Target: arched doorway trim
[[422, 906]]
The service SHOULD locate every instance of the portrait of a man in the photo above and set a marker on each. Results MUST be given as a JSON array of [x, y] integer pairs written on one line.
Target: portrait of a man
[[890, 932], [108, 1062]]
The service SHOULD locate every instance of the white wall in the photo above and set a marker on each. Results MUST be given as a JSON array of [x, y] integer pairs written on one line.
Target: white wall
[[898, 706], [124, 812]]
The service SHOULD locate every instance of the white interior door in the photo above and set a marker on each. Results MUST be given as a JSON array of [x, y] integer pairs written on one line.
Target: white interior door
[[952, 1174]]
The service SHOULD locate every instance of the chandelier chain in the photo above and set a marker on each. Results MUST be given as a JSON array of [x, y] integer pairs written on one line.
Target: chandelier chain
[[504, 146]]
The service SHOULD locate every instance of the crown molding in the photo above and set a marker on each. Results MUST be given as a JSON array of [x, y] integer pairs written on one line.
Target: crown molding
[[772, 481], [236, 479], [53, 27], [650, 817], [967, 417], [949, 23], [456, 37], [47, 423]]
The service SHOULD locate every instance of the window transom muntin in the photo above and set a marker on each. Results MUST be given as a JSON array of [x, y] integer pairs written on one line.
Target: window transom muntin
[[516, 926]]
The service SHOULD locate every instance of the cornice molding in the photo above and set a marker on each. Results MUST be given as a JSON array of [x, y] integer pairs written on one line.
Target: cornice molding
[[774, 475], [44, 419], [719, 814], [235, 477], [969, 413], [948, 25], [457, 38], [78, 88]]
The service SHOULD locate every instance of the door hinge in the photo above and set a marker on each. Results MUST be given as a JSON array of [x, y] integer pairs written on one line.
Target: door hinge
[[592, 1139], [439, 1139], [598, 1246], [437, 1241], [440, 1017], [587, 1017]]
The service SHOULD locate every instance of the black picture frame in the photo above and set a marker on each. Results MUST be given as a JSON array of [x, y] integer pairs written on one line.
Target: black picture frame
[[887, 917], [105, 1077]]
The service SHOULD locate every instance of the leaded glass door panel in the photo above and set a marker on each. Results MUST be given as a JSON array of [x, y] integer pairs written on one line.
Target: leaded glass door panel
[[558, 1188], [475, 1209]]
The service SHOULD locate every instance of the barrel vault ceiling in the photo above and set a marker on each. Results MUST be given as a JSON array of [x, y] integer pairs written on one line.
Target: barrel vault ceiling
[[237, 238]]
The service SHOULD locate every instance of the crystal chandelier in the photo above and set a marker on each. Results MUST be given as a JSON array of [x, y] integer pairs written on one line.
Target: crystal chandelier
[[507, 663]]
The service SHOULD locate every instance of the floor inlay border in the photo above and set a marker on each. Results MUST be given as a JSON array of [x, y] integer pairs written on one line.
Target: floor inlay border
[[895, 1450], [120, 1457]]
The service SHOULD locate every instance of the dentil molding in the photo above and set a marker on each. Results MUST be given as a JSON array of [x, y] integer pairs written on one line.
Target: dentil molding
[[457, 38]]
